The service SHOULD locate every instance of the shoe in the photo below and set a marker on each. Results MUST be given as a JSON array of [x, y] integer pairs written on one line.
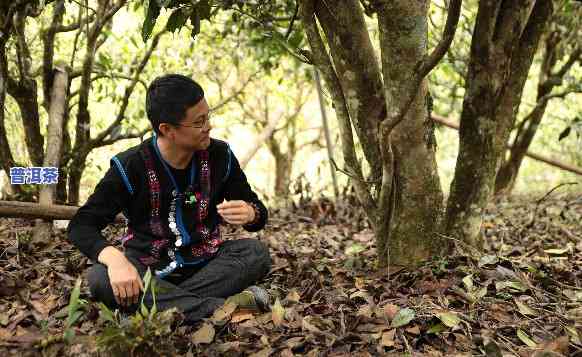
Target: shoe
[[253, 298]]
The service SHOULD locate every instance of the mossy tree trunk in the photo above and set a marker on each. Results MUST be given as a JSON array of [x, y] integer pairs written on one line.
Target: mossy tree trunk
[[387, 107], [494, 82]]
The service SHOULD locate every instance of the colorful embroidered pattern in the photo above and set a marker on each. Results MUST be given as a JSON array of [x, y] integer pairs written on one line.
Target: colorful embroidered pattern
[[209, 241], [154, 186]]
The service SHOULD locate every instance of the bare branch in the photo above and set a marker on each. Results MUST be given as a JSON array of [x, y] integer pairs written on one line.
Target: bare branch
[[128, 91], [75, 25], [448, 34], [235, 94], [574, 57], [132, 135], [290, 29], [48, 55]]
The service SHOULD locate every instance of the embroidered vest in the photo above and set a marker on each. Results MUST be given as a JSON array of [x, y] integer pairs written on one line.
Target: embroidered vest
[[172, 242]]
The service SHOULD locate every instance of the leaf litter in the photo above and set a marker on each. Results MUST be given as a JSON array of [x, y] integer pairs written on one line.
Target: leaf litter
[[521, 295]]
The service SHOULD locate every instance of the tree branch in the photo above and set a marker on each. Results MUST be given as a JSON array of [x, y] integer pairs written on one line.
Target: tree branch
[[128, 91], [48, 54], [75, 25], [323, 63], [290, 29], [235, 94], [133, 135], [574, 57], [443, 46]]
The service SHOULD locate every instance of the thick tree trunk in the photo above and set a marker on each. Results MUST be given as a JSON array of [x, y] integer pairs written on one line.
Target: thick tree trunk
[[357, 69], [409, 235], [405, 209], [505, 180], [6, 158], [488, 113]]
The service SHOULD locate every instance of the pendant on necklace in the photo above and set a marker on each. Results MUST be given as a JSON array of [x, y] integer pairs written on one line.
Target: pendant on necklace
[[191, 199]]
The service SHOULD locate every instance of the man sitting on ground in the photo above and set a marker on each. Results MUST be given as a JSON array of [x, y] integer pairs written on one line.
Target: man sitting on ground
[[175, 189]]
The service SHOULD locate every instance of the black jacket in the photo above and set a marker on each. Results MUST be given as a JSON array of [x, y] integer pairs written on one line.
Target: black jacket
[[113, 195]]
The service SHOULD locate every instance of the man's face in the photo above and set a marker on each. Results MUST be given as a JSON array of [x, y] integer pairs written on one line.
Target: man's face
[[193, 132]]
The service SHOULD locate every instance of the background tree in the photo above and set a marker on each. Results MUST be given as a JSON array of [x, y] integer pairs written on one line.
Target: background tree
[[560, 51], [502, 47], [91, 27], [277, 115]]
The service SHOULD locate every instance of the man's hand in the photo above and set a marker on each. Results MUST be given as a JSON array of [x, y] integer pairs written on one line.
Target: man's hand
[[123, 276], [236, 212]]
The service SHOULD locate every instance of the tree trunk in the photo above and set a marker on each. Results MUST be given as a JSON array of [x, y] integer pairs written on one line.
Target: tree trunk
[[75, 174], [487, 115], [408, 236], [406, 211], [58, 100], [57, 110], [357, 69], [25, 93], [328, 144], [283, 167], [505, 180], [263, 136], [6, 158]]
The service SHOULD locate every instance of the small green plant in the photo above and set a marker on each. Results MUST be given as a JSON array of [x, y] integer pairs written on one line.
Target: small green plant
[[145, 333], [75, 310]]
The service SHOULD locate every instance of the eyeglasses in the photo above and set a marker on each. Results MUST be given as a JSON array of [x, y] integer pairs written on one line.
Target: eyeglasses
[[197, 123]]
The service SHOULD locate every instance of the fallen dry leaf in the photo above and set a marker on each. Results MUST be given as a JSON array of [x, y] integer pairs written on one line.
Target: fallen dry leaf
[[204, 335]]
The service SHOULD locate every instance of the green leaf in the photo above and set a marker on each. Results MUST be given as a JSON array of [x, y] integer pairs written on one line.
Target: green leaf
[[176, 20], [450, 319], [525, 338], [106, 313], [147, 278], [403, 317], [74, 303], [68, 335], [74, 317], [487, 260], [355, 249], [515, 286], [468, 282], [149, 22], [144, 310], [524, 309], [437, 328]]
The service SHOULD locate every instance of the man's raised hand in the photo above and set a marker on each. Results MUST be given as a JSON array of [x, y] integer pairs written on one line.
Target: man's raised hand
[[236, 212]]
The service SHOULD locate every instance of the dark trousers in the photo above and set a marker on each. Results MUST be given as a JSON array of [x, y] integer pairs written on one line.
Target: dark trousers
[[196, 292]]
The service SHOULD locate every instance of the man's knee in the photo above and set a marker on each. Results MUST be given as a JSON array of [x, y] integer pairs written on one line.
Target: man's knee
[[259, 255]]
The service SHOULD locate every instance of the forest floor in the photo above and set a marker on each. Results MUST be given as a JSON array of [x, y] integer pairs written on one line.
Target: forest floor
[[521, 295]]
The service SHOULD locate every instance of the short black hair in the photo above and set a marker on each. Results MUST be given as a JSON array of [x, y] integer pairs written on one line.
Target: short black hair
[[169, 96]]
